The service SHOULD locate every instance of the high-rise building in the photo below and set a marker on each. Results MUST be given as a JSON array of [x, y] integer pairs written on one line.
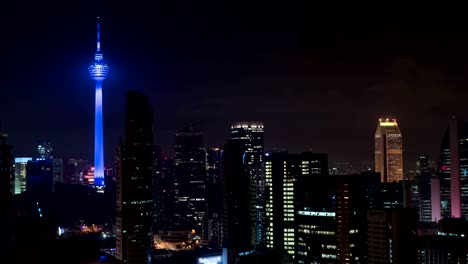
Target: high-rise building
[[453, 169], [251, 133], [315, 220], [421, 189], [238, 232], [135, 161], [352, 203], [392, 236], [388, 151], [74, 171], [282, 171], [20, 174], [39, 176], [190, 180], [167, 187], [214, 161], [98, 72], [45, 150], [57, 166]]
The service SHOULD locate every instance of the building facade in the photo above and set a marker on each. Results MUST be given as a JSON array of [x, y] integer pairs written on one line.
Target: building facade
[[389, 151], [453, 170], [392, 236], [135, 161], [20, 174], [251, 133], [238, 220], [285, 198], [190, 203]]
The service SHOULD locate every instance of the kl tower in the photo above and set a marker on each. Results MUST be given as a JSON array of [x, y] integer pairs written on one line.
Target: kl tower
[[98, 72]]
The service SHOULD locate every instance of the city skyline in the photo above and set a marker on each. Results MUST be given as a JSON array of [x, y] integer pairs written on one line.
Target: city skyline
[[306, 84]]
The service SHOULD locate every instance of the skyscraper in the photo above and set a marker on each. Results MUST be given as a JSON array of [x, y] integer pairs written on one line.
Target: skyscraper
[[238, 218], [251, 134], [214, 159], [135, 161], [45, 150], [282, 171], [388, 151], [453, 170], [39, 176], [190, 180], [20, 174], [392, 236], [98, 72]]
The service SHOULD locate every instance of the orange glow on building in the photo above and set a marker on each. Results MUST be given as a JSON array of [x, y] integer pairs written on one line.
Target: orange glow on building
[[389, 150]]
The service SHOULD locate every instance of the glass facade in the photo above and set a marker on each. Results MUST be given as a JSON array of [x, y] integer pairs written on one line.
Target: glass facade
[[389, 151]]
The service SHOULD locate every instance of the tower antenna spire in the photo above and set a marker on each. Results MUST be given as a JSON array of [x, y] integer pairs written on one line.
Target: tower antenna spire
[[98, 36]]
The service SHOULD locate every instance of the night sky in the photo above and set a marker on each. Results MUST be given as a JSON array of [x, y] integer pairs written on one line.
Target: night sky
[[319, 77]]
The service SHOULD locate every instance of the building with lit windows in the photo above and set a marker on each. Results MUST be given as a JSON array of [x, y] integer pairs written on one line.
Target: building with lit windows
[[134, 174], [352, 203], [282, 171], [316, 239], [57, 166], [392, 236], [453, 171], [190, 204], [389, 151], [251, 133], [421, 189], [214, 161], [20, 174]]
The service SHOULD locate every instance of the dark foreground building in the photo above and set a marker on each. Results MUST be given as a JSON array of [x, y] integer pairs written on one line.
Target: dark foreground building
[[134, 211], [238, 200]]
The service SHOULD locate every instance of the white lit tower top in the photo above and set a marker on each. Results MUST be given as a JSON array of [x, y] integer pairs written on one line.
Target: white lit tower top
[[98, 72]]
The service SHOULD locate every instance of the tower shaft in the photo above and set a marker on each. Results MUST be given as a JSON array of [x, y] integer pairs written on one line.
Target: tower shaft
[[98, 138]]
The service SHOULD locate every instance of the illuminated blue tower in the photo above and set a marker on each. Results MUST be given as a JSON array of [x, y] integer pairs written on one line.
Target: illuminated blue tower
[[98, 72]]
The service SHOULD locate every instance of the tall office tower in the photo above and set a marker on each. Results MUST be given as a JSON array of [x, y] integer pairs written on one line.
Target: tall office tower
[[135, 160], [57, 166], [282, 170], [73, 171], [45, 150], [421, 189], [39, 176], [98, 72], [316, 238], [453, 169], [214, 161], [389, 151], [157, 189], [167, 193], [392, 236], [238, 219], [352, 203], [20, 174], [422, 164], [252, 134], [190, 180]]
